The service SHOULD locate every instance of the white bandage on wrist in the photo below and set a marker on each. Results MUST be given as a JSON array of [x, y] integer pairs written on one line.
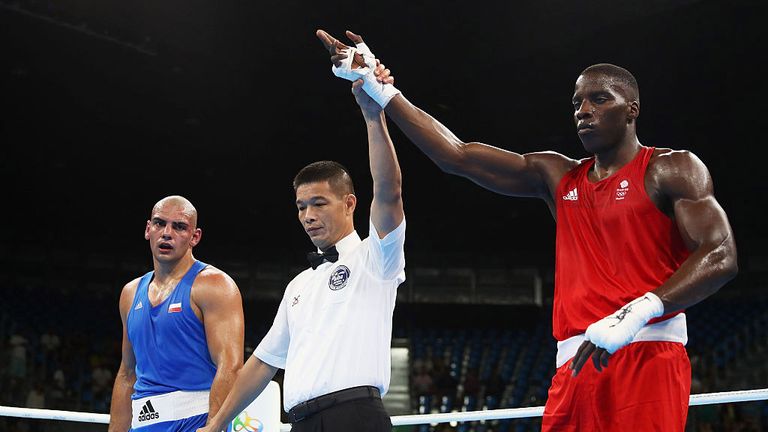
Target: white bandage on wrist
[[379, 92], [618, 329]]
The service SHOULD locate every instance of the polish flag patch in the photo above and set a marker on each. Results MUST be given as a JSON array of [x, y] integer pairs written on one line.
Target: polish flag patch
[[174, 307]]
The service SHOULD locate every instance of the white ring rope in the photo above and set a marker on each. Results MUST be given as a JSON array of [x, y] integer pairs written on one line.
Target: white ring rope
[[467, 416], [37, 413], [507, 413]]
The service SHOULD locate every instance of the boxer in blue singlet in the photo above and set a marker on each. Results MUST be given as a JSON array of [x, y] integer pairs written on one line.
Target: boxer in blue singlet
[[182, 332]]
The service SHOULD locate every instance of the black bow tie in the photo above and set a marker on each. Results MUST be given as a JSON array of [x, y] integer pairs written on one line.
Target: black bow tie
[[317, 258]]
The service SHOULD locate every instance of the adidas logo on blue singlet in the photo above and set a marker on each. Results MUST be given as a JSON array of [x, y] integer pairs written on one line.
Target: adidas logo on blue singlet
[[148, 412]]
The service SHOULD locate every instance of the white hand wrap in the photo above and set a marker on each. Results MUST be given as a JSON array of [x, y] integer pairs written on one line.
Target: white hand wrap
[[379, 92], [618, 329]]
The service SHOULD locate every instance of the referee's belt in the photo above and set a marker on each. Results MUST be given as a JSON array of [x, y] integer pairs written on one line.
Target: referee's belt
[[315, 405]]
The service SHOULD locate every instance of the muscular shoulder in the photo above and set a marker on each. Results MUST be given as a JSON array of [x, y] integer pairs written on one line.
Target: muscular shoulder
[[552, 166], [670, 160], [678, 174], [127, 295], [212, 284], [551, 160], [130, 287]]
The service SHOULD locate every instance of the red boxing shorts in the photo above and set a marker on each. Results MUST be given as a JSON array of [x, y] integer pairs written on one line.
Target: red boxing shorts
[[646, 387]]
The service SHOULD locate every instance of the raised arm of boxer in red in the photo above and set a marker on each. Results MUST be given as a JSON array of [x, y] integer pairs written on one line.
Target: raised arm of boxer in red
[[496, 169]]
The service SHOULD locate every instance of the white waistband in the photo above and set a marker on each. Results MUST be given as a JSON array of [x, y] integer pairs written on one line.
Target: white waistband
[[168, 407], [671, 330]]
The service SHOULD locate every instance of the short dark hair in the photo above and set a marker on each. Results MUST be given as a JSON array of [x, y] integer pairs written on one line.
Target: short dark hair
[[333, 172], [618, 73]]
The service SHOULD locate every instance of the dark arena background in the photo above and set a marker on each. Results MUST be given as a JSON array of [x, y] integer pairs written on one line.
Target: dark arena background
[[109, 106]]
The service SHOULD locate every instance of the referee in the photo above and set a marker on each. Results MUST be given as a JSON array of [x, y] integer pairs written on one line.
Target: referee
[[333, 328]]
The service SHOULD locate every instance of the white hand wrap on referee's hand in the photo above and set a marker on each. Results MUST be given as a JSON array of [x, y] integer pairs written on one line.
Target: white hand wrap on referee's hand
[[618, 329], [379, 92]]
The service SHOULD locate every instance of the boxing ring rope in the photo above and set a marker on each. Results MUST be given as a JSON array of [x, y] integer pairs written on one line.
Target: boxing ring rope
[[46, 414], [512, 413], [404, 420]]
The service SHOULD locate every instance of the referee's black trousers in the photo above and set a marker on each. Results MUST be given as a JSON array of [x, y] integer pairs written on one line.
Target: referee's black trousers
[[360, 415]]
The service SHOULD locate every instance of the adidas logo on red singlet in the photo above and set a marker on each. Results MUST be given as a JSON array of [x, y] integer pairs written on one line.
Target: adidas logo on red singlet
[[573, 195]]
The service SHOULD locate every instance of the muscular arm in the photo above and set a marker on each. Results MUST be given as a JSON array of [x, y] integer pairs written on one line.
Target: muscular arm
[[504, 172], [251, 381], [683, 178], [220, 304], [120, 407], [498, 170]]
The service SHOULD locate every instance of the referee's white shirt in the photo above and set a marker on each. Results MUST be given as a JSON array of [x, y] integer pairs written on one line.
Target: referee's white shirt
[[333, 329]]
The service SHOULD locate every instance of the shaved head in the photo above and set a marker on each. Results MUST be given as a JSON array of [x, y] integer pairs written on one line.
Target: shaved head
[[179, 202]]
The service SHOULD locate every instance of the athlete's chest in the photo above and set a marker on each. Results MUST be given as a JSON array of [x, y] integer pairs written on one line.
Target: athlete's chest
[[618, 199], [158, 293]]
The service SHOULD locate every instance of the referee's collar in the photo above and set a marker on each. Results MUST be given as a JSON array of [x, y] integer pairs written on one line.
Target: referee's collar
[[347, 243]]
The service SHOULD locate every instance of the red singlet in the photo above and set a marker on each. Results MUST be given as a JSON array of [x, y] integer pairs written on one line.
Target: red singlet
[[613, 245]]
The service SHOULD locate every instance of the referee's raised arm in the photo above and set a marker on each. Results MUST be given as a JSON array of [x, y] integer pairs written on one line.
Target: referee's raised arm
[[387, 205]]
